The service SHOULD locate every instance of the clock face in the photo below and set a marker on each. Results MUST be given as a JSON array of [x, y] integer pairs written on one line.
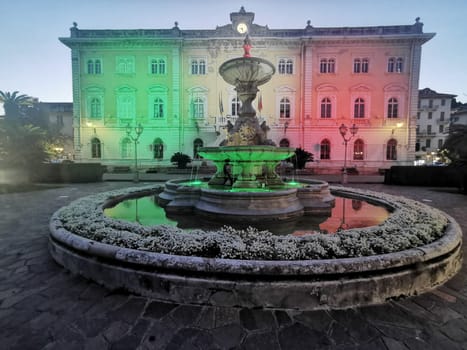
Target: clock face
[[242, 28]]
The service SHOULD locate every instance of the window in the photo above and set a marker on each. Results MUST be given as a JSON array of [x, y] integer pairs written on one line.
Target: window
[[95, 148], [428, 143], [126, 148], [441, 116], [326, 108], [157, 66], [418, 115], [399, 65], [198, 108], [443, 102], [197, 143], [96, 110], [284, 108], [125, 64], [393, 107], [430, 115], [430, 103], [440, 143], [360, 65], [284, 143], [59, 121], [158, 108], [325, 149], [125, 107], [198, 66], [94, 66], [391, 150], [158, 149], [428, 129], [327, 65], [285, 66], [395, 65], [358, 148], [235, 106], [441, 129], [359, 108]]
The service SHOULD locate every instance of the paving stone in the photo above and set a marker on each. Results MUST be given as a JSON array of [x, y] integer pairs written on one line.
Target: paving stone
[[282, 318], [392, 344], [261, 341], [228, 336], [226, 315], [318, 320], [206, 318], [298, 336], [254, 319], [157, 309], [186, 314]]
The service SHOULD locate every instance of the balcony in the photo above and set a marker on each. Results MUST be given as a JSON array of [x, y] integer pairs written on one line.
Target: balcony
[[424, 133], [428, 108]]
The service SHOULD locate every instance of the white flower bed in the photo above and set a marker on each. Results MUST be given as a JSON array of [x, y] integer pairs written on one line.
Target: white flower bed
[[411, 224]]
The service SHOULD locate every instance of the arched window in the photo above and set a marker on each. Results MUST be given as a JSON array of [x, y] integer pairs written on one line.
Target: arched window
[[158, 149], [325, 149], [96, 148], [284, 108], [235, 106], [393, 105], [326, 108], [284, 143], [197, 143], [359, 108], [96, 111], [198, 107], [358, 149], [126, 148], [391, 150], [158, 108]]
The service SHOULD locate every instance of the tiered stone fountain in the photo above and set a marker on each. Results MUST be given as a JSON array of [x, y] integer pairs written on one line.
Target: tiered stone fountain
[[258, 193]]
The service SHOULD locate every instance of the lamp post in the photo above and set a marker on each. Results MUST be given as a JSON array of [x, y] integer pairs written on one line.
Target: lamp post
[[129, 132], [343, 129]]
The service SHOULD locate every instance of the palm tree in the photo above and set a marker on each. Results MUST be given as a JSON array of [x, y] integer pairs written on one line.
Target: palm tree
[[15, 104]]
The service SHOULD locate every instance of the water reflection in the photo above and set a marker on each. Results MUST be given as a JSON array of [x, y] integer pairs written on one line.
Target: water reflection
[[347, 213]]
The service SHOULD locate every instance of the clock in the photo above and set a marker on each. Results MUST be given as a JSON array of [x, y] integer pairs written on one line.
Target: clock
[[242, 28]]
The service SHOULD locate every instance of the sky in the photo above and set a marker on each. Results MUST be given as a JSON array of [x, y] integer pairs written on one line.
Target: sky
[[34, 62]]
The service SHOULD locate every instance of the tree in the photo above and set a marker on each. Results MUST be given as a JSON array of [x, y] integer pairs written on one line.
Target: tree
[[456, 144], [181, 159], [15, 105], [300, 158]]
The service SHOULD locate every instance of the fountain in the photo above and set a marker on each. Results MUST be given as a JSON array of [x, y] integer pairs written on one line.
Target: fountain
[[258, 193], [415, 249]]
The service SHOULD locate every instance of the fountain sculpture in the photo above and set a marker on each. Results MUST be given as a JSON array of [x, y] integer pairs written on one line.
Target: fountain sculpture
[[258, 192]]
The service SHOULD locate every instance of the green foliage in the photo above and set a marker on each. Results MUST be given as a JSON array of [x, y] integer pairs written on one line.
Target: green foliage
[[455, 146], [300, 158], [23, 134], [181, 159]]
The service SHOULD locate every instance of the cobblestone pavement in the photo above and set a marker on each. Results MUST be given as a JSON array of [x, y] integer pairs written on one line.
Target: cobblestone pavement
[[42, 306]]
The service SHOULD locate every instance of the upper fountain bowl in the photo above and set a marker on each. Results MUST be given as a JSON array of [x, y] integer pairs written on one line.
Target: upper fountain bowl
[[243, 70]]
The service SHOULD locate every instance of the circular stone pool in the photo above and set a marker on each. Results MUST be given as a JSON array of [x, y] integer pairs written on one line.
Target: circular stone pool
[[416, 249]]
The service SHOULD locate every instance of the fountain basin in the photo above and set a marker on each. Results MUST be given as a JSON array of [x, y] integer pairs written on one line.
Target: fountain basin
[[280, 284], [248, 205]]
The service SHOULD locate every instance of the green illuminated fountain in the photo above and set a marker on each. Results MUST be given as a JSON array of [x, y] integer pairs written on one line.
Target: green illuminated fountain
[[258, 193]]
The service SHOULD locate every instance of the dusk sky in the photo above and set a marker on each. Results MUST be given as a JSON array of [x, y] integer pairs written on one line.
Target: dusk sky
[[34, 62]]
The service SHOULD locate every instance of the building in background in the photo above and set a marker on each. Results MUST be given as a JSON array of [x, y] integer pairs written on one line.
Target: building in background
[[433, 119], [60, 124], [167, 80]]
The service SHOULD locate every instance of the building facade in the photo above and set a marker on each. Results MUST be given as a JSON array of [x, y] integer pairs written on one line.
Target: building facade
[[433, 119], [167, 80]]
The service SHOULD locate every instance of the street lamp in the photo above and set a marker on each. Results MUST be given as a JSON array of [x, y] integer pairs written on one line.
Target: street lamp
[[343, 129], [138, 131]]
